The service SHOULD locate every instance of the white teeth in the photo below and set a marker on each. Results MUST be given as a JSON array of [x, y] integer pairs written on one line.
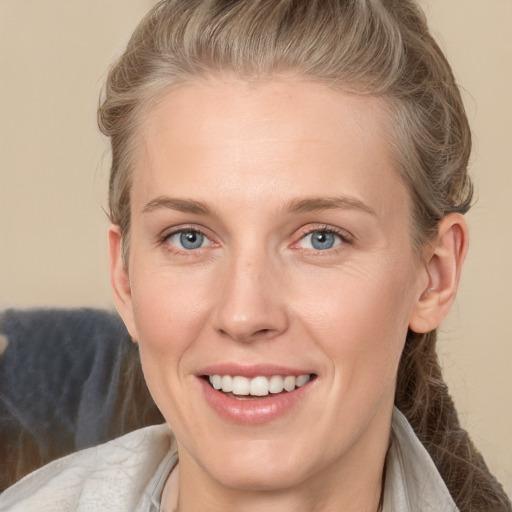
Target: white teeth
[[258, 386], [241, 385], [226, 383], [275, 384], [289, 383], [216, 381], [302, 380]]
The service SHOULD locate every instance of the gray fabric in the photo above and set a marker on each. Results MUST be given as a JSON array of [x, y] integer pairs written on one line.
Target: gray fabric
[[59, 383], [57, 373]]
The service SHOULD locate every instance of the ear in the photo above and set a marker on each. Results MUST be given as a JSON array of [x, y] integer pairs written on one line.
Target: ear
[[442, 269], [120, 280]]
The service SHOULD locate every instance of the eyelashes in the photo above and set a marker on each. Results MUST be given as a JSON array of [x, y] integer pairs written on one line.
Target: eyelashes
[[193, 240], [188, 240], [322, 239]]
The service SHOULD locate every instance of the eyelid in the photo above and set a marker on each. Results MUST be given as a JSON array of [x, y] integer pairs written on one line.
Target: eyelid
[[164, 236], [345, 236]]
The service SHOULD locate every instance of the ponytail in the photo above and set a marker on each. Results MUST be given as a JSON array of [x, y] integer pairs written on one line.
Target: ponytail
[[422, 396]]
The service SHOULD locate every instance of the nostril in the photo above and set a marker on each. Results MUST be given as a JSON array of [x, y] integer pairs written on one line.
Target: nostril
[[247, 334]]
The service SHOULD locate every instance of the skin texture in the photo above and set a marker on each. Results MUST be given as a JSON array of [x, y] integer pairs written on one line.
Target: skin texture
[[269, 163]]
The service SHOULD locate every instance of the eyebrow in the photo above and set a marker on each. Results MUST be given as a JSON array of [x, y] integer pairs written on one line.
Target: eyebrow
[[181, 205], [309, 204], [312, 204]]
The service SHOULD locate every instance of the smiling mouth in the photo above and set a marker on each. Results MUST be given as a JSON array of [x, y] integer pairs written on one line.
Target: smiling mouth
[[241, 387]]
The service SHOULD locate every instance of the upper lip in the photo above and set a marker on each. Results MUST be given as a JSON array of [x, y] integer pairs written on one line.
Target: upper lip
[[252, 370]]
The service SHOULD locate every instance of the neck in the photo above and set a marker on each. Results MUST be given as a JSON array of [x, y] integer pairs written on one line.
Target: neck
[[307, 500], [353, 484]]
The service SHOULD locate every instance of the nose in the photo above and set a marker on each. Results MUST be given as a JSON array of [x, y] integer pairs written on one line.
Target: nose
[[251, 299]]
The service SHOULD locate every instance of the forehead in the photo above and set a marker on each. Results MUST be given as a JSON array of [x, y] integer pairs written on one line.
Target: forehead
[[211, 138]]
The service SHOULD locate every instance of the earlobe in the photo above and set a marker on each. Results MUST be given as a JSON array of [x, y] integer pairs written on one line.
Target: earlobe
[[120, 281], [442, 269]]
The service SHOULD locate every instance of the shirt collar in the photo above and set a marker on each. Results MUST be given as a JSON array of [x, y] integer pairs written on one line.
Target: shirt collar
[[412, 480]]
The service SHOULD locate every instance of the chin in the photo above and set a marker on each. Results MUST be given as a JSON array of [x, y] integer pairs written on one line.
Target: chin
[[260, 478], [260, 465]]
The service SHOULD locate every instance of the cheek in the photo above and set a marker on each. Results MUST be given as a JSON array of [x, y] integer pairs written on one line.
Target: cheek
[[360, 319], [170, 313], [168, 307]]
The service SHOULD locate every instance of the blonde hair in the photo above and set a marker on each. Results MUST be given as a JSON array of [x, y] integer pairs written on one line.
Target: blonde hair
[[365, 47]]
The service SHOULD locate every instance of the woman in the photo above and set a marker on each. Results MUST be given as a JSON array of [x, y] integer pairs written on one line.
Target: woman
[[286, 196]]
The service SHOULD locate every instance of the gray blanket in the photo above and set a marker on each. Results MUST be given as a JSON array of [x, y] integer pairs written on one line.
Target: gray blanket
[[69, 379]]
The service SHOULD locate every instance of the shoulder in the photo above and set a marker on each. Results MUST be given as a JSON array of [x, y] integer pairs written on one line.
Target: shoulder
[[113, 476]]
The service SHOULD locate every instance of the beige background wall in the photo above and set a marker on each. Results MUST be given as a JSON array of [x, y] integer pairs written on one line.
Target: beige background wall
[[53, 57]]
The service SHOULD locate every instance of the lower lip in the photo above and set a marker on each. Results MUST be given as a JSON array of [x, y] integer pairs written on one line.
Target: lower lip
[[253, 410]]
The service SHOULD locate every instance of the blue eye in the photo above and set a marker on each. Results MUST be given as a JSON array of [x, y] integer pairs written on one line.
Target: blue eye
[[188, 240], [321, 240]]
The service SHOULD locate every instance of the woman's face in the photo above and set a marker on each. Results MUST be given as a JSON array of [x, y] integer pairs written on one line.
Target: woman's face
[[270, 238]]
